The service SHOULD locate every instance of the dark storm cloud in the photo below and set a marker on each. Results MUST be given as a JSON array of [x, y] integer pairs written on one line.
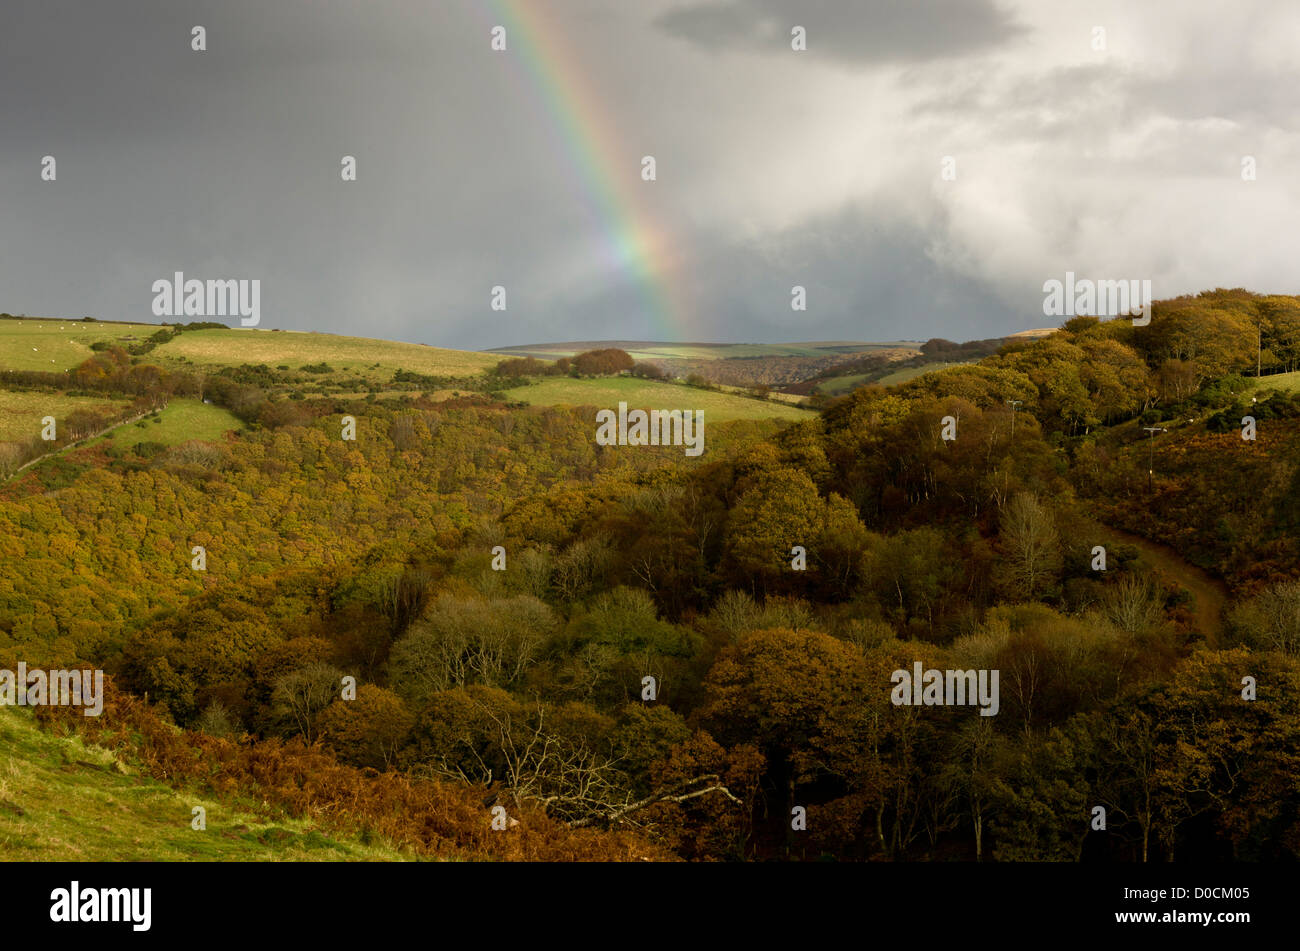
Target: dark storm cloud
[[226, 162], [868, 275], [866, 32], [122, 70], [477, 168]]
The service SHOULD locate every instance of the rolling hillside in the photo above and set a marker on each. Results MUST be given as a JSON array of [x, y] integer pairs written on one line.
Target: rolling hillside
[[649, 394], [180, 421], [295, 349], [1287, 382], [734, 364], [54, 344], [374, 558], [60, 797]]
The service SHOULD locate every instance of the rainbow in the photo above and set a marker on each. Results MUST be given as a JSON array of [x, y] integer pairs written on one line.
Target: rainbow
[[604, 174]]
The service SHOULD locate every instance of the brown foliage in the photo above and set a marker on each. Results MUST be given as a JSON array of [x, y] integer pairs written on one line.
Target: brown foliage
[[428, 817]]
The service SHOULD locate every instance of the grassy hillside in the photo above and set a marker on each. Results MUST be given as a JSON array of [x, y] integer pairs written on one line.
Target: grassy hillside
[[1287, 382], [649, 394], [181, 421], [63, 800], [792, 399], [58, 344], [911, 373], [846, 383], [54, 344], [370, 358], [839, 385], [21, 411]]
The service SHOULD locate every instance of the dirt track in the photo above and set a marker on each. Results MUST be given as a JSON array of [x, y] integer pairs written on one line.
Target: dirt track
[[1209, 593]]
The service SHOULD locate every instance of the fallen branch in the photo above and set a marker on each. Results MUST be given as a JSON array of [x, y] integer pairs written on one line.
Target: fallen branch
[[673, 794]]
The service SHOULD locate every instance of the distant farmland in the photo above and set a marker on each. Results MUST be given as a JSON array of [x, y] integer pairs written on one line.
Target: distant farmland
[[606, 393], [294, 350], [58, 344]]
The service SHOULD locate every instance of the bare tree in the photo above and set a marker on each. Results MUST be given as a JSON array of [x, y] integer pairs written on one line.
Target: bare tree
[[1028, 533], [1132, 603], [564, 774], [1271, 620], [301, 695], [462, 641]]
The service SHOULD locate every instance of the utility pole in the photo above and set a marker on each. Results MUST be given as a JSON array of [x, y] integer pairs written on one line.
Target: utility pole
[[1151, 450], [1013, 404]]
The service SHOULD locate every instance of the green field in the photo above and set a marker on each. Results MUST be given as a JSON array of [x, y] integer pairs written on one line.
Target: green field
[[911, 373], [61, 800], [180, 421], [21, 413], [294, 349], [1287, 382], [793, 399], [436, 395], [54, 344], [607, 392], [839, 385]]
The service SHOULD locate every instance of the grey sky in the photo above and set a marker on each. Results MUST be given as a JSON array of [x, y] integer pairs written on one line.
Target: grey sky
[[775, 167]]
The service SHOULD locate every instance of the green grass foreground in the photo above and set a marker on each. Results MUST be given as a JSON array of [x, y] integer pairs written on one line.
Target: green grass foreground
[[61, 800]]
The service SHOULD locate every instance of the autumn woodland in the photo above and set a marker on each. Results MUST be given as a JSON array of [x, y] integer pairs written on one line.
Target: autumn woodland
[[470, 631]]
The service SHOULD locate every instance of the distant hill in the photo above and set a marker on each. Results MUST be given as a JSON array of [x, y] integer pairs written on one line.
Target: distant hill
[[734, 364], [887, 368], [660, 350], [61, 344]]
